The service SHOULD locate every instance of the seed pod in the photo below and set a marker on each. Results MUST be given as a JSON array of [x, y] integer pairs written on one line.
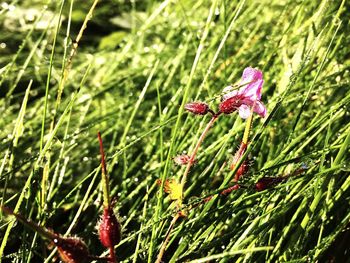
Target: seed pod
[[268, 182], [72, 249], [198, 108], [230, 189], [109, 229]]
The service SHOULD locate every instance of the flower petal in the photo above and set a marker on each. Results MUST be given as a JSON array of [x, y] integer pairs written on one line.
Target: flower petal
[[252, 81], [228, 92], [244, 111], [253, 90], [260, 108], [250, 74]]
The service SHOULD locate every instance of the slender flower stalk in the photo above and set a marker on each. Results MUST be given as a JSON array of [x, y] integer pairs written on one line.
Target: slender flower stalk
[[182, 185], [167, 237], [242, 149], [109, 228], [195, 150], [105, 179]]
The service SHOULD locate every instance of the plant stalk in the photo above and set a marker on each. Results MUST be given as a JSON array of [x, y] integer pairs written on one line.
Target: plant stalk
[[166, 239]]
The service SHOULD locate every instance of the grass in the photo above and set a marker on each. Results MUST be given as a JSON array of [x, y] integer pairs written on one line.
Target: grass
[[134, 68]]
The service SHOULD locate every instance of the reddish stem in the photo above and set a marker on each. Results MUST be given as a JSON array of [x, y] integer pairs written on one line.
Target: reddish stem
[[195, 150], [112, 257], [167, 237], [183, 181]]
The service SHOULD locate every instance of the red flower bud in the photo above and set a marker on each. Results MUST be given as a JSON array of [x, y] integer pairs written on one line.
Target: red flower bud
[[230, 105], [198, 108], [71, 249], [109, 229], [230, 189]]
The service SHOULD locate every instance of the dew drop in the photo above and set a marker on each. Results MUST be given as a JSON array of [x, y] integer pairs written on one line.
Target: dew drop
[[217, 11]]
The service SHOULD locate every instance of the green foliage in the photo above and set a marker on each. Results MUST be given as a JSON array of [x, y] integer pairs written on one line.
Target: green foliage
[[136, 66]]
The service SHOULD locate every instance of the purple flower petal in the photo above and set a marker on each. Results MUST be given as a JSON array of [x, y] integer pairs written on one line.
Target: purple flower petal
[[250, 74], [252, 79], [253, 90], [228, 92], [244, 111], [260, 108]]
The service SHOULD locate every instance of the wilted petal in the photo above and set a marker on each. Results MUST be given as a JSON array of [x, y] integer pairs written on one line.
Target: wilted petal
[[244, 111], [182, 159]]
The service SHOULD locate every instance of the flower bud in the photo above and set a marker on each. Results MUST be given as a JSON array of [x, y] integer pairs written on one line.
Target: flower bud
[[182, 159], [268, 182], [198, 108], [109, 229], [230, 105], [230, 189], [72, 249]]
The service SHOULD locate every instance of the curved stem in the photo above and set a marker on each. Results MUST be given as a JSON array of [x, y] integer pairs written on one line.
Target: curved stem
[[167, 237], [183, 181], [195, 150]]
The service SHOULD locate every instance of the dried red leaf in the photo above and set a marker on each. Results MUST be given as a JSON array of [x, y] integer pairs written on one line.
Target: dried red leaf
[[72, 249]]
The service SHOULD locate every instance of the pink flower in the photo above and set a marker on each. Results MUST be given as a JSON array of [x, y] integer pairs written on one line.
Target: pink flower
[[248, 95]]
